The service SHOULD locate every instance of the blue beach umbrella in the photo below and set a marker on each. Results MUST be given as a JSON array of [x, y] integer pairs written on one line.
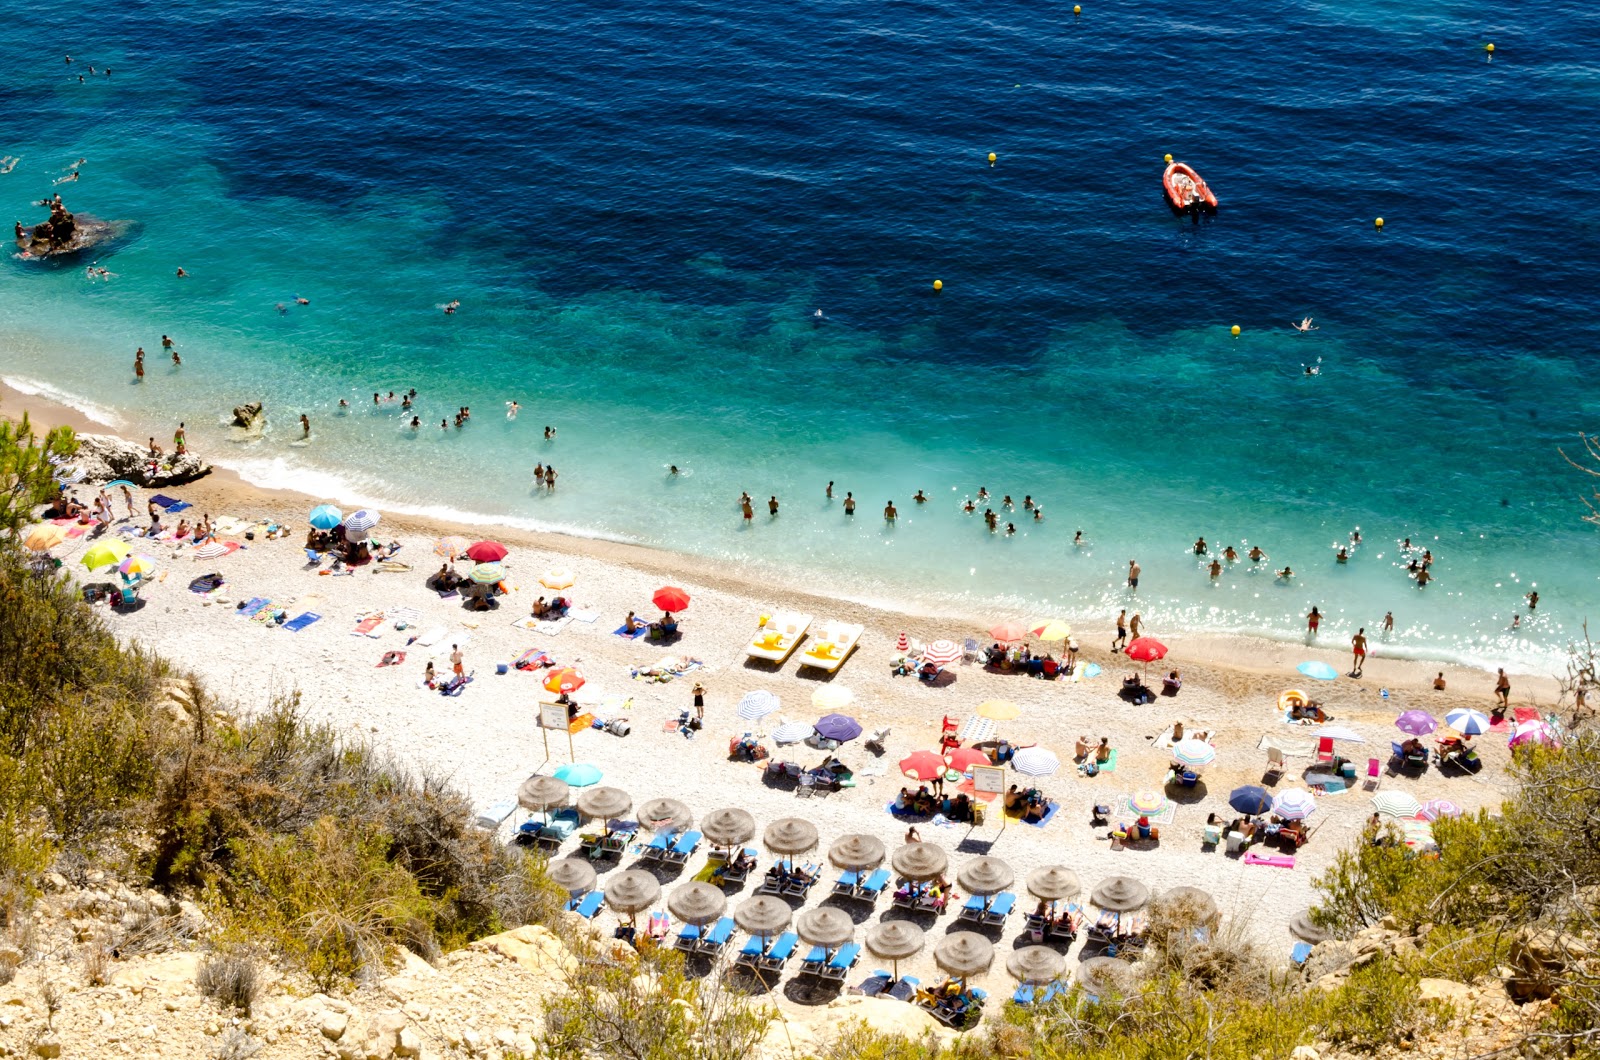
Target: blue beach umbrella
[[839, 727], [1468, 722], [361, 522], [122, 482], [1250, 799], [1319, 670], [579, 774], [326, 517]]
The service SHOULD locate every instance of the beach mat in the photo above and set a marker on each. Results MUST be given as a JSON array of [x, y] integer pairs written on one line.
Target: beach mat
[[171, 504], [300, 622], [1054, 808], [366, 626], [622, 631], [552, 629], [526, 623], [1291, 747], [1277, 861], [531, 659], [253, 606]]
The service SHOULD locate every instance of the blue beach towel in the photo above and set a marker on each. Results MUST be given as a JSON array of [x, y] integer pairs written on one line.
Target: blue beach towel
[[256, 603], [171, 504], [302, 621], [622, 631], [1049, 813]]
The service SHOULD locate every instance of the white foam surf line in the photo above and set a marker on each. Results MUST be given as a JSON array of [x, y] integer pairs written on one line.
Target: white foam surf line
[[91, 411]]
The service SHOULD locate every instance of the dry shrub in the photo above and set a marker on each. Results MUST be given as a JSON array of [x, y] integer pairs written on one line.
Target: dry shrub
[[96, 957], [232, 979], [1183, 937]]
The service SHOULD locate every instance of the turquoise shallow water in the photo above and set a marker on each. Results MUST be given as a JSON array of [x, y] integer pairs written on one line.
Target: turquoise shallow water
[[640, 215]]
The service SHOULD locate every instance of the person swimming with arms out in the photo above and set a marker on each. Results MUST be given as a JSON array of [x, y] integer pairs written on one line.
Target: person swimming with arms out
[[1304, 326]]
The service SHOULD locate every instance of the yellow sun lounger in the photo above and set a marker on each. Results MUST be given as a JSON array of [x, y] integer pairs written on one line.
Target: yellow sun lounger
[[830, 645], [776, 640]]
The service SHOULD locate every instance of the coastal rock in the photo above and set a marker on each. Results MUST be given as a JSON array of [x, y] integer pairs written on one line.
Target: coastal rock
[[1539, 959], [87, 233], [249, 416], [103, 458]]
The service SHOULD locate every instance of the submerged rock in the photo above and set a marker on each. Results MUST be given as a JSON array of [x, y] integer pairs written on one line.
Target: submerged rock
[[103, 458], [249, 415]]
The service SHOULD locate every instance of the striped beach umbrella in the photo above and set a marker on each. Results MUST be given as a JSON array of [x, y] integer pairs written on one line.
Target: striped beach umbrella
[[1397, 804], [1294, 804], [1434, 809], [452, 547], [1053, 629], [325, 517], [1148, 802], [488, 573], [211, 550], [563, 679], [1194, 753], [942, 653], [792, 732], [361, 522], [1468, 722], [757, 705], [1035, 762], [141, 566]]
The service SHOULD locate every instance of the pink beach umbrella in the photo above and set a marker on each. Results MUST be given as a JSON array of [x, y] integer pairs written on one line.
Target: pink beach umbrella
[[942, 653], [1434, 809]]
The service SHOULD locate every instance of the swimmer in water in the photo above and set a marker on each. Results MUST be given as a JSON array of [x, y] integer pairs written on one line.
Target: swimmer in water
[[1313, 369], [451, 307], [1038, 513], [444, 425], [969, 506], [1011, 528], [343, 403], [182, 273], [512, 408], [1304, 326], [416, 421], [1285, 574], [1256, 555], [282, 309], [920, 498], [300, 301], [1230, 554], [672, 469], [549, 434], [1077, 538]]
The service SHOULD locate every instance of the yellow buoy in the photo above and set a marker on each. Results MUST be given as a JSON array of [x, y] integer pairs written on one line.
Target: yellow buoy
[[938, 285], [1488, 47], [1077, 10], [1167, 159], [1236, 331], [1378, 223], [992, 157]]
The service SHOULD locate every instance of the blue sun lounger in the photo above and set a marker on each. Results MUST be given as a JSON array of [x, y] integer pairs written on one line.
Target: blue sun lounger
[[847, 883], [715, 939], [844, 960], [775, 958], [680, 852], [656, 848], [587, 906], [873, 885], [687, 939]]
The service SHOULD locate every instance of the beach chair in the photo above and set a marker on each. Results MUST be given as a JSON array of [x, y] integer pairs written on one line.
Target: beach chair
[[969, 651], [873, 885], [687, 939], [616, 842], [681, 851], [874, 984], [750, 954], [848, 884], [999, 909], [1211, 835], [1325, 749], [588, 905], [1236, 842], [1275, 763], [715, 939], [1300, 954], [779, 952], [844, 960], [814, 962], [1374, 774], [656, 848], [972, 910], [796, 887], [739, 874]]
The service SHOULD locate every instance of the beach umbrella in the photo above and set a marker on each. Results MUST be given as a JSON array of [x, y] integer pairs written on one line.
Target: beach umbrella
[[325, 517], [1319, 670], [1146, 650], [542, 792], [962, 759], [114, 483], [1534, 730], [573, 875], [1250, 800], [902, 644], [825, 926], [1106, 975], [895, 940], [998, 710], [942, 653], [1418, 834], [1054, 883], [1035, 762], [1468, 722], [1397, 804], [832, 697], [1006, 632], [1434, 809], [790, 836], [666, 815], [728, 827], [976, 729], [140, 566], [920, 861], [964, 953], [763, 915], [563, 679], [856, 852], [1036, 964], [696, 903], [986, 876], [488, 574], [451, 547], [557, 578], [1193, 753], [840, 727], [632, 891], [922, 765], [45, 537], [579, 774], [1053, 629], [1148, 802], [211, 550], [1120, 894], [1305, 929], [1294, 804], [1416, 722], [757, 705], [604, 803], [105, 554], [1199, 904], [486, 552], [361, 522], [670, 598], [792, 732]]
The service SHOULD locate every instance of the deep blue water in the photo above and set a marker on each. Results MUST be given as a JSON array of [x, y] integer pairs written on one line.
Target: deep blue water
[[641, 207]]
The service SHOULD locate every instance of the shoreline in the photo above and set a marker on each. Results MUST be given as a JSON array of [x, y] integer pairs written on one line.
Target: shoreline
[[1245, 654]]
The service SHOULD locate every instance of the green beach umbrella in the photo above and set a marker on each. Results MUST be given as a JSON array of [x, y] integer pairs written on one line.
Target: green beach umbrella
[[488, 573], [105, 554]]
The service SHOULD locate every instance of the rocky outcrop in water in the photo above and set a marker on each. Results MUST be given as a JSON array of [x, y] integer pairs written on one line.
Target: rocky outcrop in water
[[65, 233], [103, 458], [250, 416]]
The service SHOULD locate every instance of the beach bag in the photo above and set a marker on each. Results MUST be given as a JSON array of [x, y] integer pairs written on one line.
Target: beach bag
[[619, 727]]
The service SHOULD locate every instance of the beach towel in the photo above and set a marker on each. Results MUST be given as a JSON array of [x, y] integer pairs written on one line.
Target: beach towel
[[1050, 811], [552, 629], [392, 658], [456, 685], [161, 500], [77, 531], [429, 637], [532, 659], [583, 615], [403, 617], [1277, 861], [300, 622], [206, 583], [622, 631], [1110, 764], [366, 626], [266, 614], [253, 606], [526, 623]]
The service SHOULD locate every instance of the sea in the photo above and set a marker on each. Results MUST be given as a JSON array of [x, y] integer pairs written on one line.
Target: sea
[[706, 234]]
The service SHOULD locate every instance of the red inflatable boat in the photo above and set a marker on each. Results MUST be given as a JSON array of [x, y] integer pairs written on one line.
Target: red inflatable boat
[[1186, 190]]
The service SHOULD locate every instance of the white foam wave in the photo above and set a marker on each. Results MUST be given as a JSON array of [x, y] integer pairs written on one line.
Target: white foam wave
[[90, 410]]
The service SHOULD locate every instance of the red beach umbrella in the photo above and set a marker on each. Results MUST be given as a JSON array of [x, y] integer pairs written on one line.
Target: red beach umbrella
[[922, 765], [1147, 650], [670, 598], [1007, 632], [486, 552], [563, 679], [964, 758]]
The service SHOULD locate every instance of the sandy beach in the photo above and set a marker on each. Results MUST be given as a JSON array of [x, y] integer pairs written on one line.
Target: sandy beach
[[485, 741]]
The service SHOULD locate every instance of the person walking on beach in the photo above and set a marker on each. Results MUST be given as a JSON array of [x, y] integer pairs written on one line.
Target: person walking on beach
[[127, 496], [1502, 688], [1358, 652], [180, 441], [699, 701], [1133, 575], [1134, 625], [1388, 622], [889, 512], [1121, 639], [1313, 620]]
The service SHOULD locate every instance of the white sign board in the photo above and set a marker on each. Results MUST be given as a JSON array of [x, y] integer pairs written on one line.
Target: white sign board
[[553, 716], [991, 780]]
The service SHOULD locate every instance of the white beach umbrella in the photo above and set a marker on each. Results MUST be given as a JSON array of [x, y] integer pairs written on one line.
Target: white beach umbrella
[[942, 653], [1468, 722], [1193, 753], [792, 732], [1396, 804], [1035, 762], [1294, 804], [361, 522], [757, 705]]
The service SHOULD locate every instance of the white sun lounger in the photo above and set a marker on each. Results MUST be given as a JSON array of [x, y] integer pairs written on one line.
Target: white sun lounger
[[830, 645], [777, 640]]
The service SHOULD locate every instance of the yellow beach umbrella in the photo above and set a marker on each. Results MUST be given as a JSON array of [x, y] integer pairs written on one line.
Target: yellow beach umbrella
[[999, 710], [105, 554], [560, 578], [832, 697], [45, 537], [1053, 629]]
